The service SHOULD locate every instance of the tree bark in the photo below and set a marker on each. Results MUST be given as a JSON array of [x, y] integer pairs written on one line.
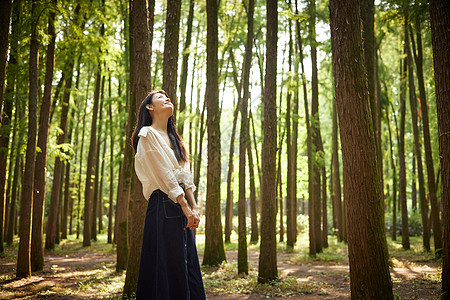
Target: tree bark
[[26, 205], [367, 247], [315, 132], [440, 38], [6, 96], [5, 17], [214, 248], [244, 141], [37, 250], [290, 167], [437, 228], [267, 267], [418, 154], [184, 67], [337, 202], [394, 179], [170, 60], [142, 85], [401, 155]]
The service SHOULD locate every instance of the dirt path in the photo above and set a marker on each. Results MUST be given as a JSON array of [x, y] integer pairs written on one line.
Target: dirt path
[[88, 274]]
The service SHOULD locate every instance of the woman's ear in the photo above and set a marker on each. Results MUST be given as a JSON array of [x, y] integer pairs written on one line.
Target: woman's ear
[[149, 107]]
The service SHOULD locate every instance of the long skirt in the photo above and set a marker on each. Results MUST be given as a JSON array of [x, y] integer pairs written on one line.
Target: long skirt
[[169, 266]]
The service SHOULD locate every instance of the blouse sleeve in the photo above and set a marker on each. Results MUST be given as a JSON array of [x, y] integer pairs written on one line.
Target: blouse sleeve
[[153, 164], [189, 184]]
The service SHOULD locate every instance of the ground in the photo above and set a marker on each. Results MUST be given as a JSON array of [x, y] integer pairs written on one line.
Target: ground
[[74, 272]]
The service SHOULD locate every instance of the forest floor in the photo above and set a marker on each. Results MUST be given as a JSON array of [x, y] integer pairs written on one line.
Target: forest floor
[[75, 272]]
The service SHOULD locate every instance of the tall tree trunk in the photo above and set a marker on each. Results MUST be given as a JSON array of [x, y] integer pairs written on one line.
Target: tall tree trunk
[[315, 131], [6, 98], [312, 237], [171, 41], [37, 250], [253, 211], [5, 17], [324, 196], [290, 167], [184, 68], [437, 228], [337, 202], [229, 203], [125, 176], [96, 194], [401, 155], [214, 248], [142, 85], [90, 169], [394, 179], [111, 168], [440, 38], [244, 141], [267, 267], [26, 205], [367, 247], [413, 104]]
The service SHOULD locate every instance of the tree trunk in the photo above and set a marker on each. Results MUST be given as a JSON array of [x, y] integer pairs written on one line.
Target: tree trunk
[[413, 104], [184, 68], [401, 156], [290, 167], [437, 228], [141, 87], [229, 203], [171, 40], [37, 251], [440, 38], [315, 132], [214, 249], [394, 179], [312, 237], [90, 169], [111, 169], [337, 202], [7, 101], [267, 267], [244, 141], [5, 17], [125, 176], [26, 205], [367, 247], [97, 193], [253, 211]]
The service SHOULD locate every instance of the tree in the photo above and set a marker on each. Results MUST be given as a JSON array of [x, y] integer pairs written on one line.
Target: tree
[[23, 254], [37, 251], [170, 61], [142, 85], [267, 267], [401, 155], [418, 58], [244, 141], [368, 256], [184, 66], [418, 154], [214, 248], [315, 195], [336, 195], [440, 38], [5, 16]]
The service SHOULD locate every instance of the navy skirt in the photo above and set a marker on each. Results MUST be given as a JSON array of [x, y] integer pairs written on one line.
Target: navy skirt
[[169, 266]]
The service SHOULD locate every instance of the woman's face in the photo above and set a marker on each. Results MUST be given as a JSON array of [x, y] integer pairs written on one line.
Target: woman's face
[[160, 104]]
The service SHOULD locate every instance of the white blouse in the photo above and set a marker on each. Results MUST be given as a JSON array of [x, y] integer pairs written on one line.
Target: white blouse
[[157, 167]]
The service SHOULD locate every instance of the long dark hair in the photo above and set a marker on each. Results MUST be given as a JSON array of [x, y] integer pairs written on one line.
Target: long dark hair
[[145, 119]]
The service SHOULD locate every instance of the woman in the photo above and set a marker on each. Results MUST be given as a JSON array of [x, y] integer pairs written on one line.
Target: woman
[[169, 266]]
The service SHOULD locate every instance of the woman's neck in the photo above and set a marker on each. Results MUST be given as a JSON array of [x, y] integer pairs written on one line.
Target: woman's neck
[[160, 124]]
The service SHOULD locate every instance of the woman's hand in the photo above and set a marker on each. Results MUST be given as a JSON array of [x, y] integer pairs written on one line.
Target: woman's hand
[[191, 214]]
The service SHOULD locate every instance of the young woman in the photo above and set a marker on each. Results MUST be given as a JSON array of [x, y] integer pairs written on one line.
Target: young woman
[[169, 266]]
